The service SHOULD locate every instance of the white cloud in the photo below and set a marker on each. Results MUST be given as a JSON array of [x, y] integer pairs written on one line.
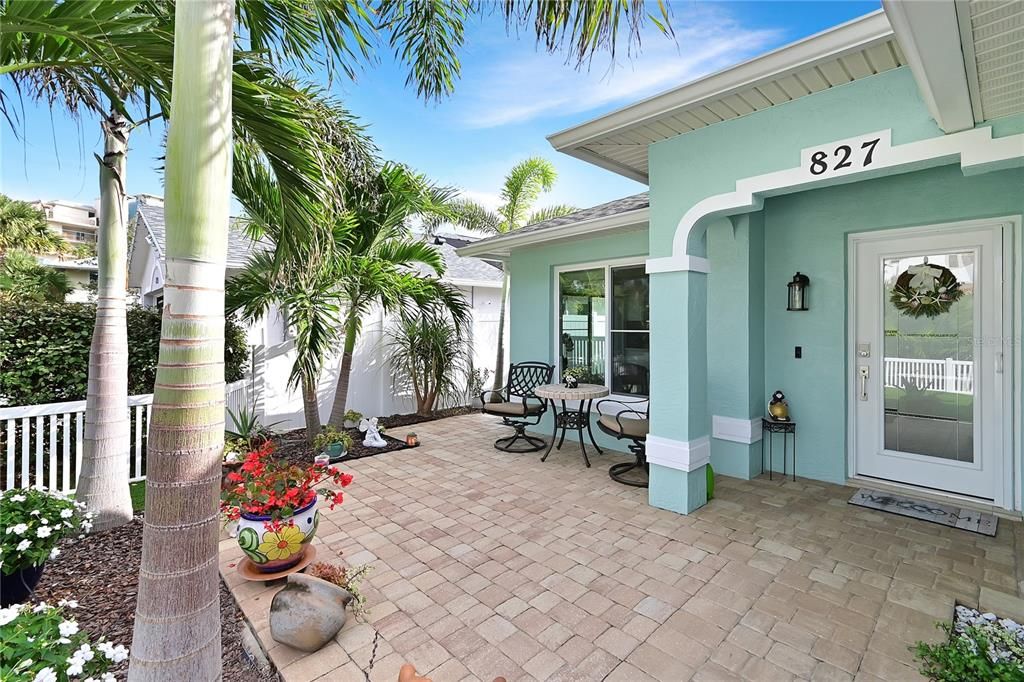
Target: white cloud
[[525, 86]]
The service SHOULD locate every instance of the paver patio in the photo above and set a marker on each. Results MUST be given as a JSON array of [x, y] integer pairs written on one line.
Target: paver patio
[[488, 563]]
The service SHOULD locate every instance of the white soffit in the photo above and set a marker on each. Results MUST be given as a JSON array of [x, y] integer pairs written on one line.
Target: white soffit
[[992, 34], [618, 141]]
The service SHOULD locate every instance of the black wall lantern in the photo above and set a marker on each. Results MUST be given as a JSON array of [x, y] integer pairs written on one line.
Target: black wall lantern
[[798, 292]]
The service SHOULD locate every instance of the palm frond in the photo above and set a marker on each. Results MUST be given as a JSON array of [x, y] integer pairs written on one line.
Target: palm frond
[[549, 212], [523, 185]]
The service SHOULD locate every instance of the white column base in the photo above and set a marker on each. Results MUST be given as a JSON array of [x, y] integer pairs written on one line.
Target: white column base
[[677, 454]]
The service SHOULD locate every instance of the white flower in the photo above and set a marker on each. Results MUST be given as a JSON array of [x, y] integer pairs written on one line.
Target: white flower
[[54, 553], [40, 607], [17, 498], [44, 531], [70, 603], [108, 677], [19, 529], [85, 652], [45, 521], [117, 654], [75, 667], [9, 614], [67, 513], [23, 545], [47, 674], [68, 628], [34, 512]]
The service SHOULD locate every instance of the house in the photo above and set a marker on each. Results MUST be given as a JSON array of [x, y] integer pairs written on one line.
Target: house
[[76, 224], [882, 161], [370, 388]]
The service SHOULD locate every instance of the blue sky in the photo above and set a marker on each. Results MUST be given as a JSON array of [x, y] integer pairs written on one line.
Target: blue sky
[[509, 98]]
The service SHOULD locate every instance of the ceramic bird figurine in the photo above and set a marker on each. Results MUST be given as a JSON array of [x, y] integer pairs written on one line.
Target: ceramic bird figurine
[[778, 408]]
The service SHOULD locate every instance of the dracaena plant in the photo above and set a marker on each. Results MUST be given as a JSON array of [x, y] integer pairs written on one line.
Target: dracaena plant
[[274, 489]]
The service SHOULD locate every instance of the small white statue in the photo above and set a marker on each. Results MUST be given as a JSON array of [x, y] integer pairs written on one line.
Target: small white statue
[[373, 439]]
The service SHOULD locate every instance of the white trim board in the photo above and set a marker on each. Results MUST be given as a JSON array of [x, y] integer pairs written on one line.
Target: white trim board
[[976, 150], [678, 454], [737, 430]]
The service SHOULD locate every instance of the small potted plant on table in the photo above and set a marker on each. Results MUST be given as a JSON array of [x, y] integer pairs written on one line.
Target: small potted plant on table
[[275, 504], [571, 376], [32, 523], [352, 419]]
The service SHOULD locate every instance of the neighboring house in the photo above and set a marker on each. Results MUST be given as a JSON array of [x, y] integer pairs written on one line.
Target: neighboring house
[[879, 159], [76, 224], [370, 389]]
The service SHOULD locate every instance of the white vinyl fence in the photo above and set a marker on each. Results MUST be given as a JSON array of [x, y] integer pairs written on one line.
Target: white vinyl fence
[[947, 376], [41, 445]]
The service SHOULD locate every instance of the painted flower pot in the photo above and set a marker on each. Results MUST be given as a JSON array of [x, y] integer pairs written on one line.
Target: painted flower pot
[[18, 586], [273, 550]]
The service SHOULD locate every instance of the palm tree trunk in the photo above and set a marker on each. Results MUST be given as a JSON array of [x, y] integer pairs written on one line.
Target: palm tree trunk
[[103, 482], [177, 618], [311, 408], [338, 409], [499, 365]]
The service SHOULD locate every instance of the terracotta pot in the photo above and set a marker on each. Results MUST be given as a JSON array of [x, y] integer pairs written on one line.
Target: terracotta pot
[[18, 586], [308, 612], [272, 551]]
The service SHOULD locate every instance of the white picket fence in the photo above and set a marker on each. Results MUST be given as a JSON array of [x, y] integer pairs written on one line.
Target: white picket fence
[[42, 444], [947, 376]]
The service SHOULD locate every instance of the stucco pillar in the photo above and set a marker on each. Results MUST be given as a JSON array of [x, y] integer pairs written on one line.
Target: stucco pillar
[[678, 447], [736, 344]]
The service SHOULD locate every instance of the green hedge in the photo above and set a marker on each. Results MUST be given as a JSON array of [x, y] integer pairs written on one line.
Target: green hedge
[[44, 351]]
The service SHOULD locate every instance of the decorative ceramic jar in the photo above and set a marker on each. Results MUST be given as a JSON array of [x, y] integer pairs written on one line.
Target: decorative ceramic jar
[[277, 547], [308, 612]]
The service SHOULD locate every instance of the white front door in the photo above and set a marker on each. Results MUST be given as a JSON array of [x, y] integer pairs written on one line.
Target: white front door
[[927, 368]]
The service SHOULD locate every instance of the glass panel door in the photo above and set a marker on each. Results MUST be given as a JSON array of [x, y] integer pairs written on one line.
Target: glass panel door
[[582, 317], [929, 369]]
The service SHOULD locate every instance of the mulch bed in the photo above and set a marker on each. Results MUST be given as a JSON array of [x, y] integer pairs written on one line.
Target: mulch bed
[[292, 446], [101, 573]]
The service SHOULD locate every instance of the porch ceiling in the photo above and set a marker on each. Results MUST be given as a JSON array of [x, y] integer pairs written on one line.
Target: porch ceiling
[[619, 141], [992, 33]]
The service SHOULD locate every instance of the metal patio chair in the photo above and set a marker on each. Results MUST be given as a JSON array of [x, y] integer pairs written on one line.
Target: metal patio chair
[[519, 406], [627, 423]]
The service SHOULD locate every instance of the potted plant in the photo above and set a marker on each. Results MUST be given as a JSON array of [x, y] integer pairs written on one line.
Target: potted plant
[[348, 579], [312, 607], [45, 643], [571, 376], [275, 504], [333, 443], [32, 524], [475, 381], [352, 419]]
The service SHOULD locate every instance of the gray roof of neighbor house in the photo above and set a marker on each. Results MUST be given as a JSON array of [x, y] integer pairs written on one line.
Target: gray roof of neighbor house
[[459, 269], [624, 212], [462, 269], [240, 245]]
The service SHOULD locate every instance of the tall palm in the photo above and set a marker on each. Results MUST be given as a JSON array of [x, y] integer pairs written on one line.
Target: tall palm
[[23, 278], [523, 186], [381, 256], [23, 226]]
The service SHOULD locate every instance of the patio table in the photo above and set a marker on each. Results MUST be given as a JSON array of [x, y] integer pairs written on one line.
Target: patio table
[[571, 419]]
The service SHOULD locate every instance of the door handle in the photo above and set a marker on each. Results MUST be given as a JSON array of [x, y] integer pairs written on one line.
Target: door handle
[[862, 378]]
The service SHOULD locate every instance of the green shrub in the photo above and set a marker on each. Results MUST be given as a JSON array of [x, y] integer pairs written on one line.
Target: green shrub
[[965, 658], [44, 351]]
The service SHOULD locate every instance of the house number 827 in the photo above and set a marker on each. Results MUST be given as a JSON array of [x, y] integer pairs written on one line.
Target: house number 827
[[842, 155]]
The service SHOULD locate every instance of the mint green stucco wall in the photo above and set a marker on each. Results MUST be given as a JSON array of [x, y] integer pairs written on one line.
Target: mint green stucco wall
[[807, 232], [531, 298]]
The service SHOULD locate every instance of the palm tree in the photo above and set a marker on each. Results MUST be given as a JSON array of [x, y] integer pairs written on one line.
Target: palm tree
[[23, 226], [380, 255], [429, 354], [523, 185], [23, 278]]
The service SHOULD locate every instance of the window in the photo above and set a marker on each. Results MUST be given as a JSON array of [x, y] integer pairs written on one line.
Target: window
[[610, 342]]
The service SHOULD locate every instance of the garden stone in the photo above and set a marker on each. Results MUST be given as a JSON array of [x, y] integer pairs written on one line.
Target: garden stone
[[308, 612]]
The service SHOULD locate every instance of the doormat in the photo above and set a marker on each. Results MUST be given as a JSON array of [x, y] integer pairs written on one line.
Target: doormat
[[935, 512]]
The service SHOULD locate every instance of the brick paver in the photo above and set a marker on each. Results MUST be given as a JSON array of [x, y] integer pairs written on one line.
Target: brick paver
[[487, 563]]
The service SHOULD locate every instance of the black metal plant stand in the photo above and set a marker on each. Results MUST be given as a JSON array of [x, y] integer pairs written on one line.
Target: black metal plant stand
[[771, 426]]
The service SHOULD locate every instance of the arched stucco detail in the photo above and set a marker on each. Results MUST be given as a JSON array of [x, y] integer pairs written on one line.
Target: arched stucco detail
[[976, 150]]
